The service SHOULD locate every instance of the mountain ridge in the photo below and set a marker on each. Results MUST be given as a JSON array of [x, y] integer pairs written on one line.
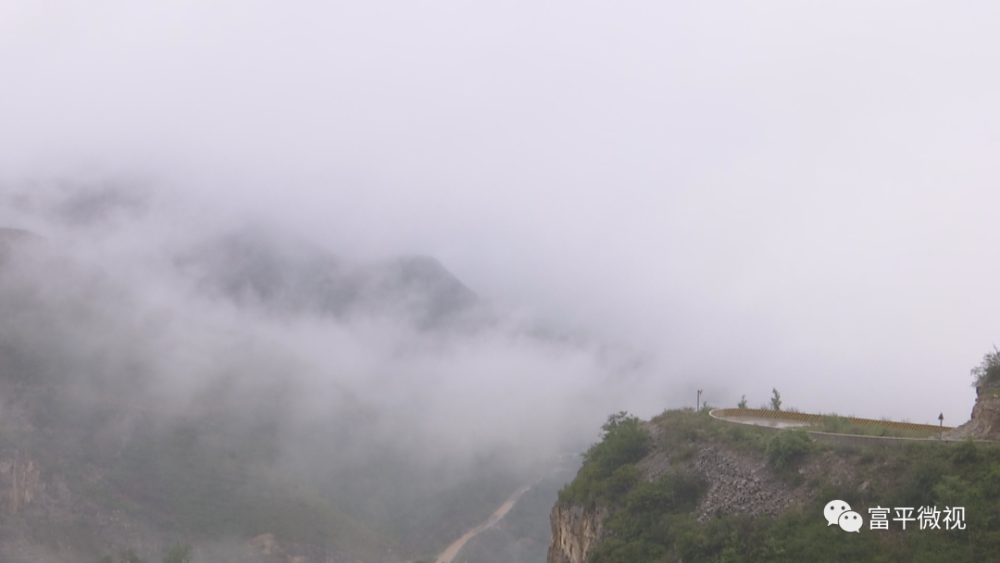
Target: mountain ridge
[[222, 407]]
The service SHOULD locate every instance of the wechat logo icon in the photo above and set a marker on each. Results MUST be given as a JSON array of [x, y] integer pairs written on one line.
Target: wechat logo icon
[[839, 512]]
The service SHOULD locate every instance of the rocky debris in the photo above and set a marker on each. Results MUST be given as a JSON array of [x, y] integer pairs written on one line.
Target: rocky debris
[[738, 485], [739, 482], [742, 482], [985, 421]]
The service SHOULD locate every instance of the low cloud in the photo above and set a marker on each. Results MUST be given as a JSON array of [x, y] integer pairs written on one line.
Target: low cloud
[[336, 358]]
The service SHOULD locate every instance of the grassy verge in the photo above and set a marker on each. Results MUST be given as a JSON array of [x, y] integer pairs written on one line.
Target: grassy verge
[[837, 424]]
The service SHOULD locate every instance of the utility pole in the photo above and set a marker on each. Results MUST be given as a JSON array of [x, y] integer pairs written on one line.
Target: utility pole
[[697, 405]]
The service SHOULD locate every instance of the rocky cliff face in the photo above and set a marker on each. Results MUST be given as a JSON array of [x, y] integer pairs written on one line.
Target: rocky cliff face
[[985, 421], [42, 520], [20, 481], [575, 530]]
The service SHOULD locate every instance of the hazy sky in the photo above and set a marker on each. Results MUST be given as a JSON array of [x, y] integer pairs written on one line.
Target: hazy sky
[[766, 194]]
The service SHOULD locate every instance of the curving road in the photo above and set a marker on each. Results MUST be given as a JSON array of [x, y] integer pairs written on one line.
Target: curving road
[[448, 555], [782, 419]]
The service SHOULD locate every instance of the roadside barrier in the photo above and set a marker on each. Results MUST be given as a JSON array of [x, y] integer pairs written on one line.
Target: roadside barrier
[[818, 418]]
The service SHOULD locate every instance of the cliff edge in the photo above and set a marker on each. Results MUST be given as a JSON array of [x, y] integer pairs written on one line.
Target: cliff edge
[[575, 530], [686, 487]]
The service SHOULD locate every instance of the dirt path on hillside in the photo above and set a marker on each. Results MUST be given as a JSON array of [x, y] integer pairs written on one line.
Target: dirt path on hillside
[[448, 555]]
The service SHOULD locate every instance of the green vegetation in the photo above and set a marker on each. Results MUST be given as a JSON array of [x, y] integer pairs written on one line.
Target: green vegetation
[[212, 479], [198, 485], [988, 371], [685, 429], [221, 470], [641, 529], [787, 447], [837, 424], [743, 403], [775, 400], [608, 471], [178, 553], [653, 521]]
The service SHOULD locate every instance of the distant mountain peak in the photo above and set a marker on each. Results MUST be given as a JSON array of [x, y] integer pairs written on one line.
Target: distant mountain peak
[[295, 278]]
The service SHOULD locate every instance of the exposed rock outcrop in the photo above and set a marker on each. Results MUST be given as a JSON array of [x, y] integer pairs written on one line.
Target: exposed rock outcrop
[[575, 530], [985, 421], [20, 478]]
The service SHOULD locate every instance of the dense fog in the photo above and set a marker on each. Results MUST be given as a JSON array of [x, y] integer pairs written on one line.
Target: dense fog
[[453, 226], [101, 295]]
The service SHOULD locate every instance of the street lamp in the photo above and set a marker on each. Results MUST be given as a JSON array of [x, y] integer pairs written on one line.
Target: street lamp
[[697, 405]]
